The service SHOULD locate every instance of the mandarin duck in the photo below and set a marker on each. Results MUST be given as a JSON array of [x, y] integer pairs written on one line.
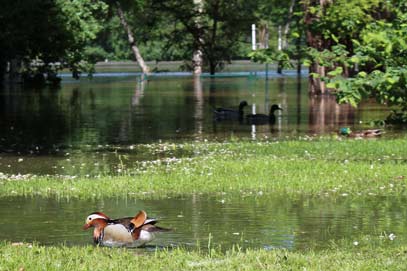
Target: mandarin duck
[[360, 134], [230, 114], [128, 231], [263, 118]]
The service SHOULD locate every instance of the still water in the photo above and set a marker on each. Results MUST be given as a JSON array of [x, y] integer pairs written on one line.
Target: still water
[[82, 127], [121, 111], [90, 127], [254, 221]]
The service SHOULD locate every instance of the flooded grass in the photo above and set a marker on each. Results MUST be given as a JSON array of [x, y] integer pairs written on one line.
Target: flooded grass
[[328, 167], [355, 169], [370, 253]]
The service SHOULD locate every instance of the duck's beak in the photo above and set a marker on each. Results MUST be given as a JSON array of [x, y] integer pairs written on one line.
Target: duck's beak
[[86, 226]]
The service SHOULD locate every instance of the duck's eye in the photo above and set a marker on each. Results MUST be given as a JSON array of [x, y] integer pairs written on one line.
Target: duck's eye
[[89, 218]]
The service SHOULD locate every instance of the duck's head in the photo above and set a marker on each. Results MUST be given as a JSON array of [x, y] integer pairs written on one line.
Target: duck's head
[[275, 107], [95, 219], [345, 131], [243, 104]]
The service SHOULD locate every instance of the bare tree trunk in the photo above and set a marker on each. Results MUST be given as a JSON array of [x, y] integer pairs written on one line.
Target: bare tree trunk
[[315, 40], [212, 60], [132, 42], [282, 35], [264, 35], [197, 60], [315, 85], [280, 47], [287, 25]]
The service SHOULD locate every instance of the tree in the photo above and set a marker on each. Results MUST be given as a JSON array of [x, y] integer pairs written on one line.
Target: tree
[[43, 36], [362, 49], [223, 26], [330, 25], [283, 17], [131, 39], [380, 55]]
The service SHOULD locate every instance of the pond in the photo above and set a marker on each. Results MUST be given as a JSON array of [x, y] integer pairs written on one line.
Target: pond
[[99, 126], [90, 120], [254, 221]]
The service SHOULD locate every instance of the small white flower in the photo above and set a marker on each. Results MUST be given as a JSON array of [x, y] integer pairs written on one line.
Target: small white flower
[[355, 243], [392, 236], [20, 160]]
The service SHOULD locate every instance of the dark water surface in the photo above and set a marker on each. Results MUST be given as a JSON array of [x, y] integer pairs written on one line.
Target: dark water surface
[[254, 221], [119, 110], [64, 131]]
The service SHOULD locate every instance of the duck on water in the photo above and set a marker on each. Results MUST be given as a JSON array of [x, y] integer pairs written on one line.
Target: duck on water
[[229, 113], [122, 232], [263, 118]]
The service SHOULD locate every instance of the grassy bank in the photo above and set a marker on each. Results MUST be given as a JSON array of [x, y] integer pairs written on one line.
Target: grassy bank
[[375, 253], [310, 167], [307, 167]]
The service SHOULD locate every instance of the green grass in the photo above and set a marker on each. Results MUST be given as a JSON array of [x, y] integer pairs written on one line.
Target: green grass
[[306, 167], [372, 253], [325, 167]]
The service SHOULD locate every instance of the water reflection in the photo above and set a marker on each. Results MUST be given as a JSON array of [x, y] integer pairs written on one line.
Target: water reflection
[[326, 115], [130, 111], [246, 220]]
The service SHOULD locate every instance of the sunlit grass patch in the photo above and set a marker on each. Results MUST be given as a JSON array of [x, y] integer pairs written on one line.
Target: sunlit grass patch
[[317, 167], [371, 253]]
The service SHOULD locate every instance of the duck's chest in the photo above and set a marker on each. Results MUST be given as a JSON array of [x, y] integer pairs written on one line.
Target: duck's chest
[[116, 235]]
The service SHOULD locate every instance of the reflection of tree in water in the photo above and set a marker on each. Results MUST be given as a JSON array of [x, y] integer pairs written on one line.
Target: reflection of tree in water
[[326, 115], [199, 105], [32, 121]]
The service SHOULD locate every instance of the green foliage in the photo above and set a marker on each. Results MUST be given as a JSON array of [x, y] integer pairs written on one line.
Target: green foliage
[[271, 56], [218, 29], [365, 52], [53, 33], [81, 20]]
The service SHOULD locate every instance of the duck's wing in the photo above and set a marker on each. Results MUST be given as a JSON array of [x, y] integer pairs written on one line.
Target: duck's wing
[[154, 228], [131, 222], [374, 132], [139, 219], [125, 221]]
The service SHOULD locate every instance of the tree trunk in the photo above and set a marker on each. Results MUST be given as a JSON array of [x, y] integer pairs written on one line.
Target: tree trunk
[[264, 36], [132, 42], [212, 66], [197, 60], [287, 25], [315, 40]]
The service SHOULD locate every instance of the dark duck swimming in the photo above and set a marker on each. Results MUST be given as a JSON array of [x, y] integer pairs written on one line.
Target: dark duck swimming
[[263, 118], [230, 114]]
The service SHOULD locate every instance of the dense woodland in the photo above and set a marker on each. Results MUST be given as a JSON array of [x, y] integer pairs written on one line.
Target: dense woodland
[[354, 48]]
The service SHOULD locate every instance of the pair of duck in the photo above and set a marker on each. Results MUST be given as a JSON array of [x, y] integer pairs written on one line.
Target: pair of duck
[[233, 114], [122, 232]]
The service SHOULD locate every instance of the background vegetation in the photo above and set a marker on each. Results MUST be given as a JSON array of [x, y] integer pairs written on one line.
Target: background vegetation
[[356, 49]]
